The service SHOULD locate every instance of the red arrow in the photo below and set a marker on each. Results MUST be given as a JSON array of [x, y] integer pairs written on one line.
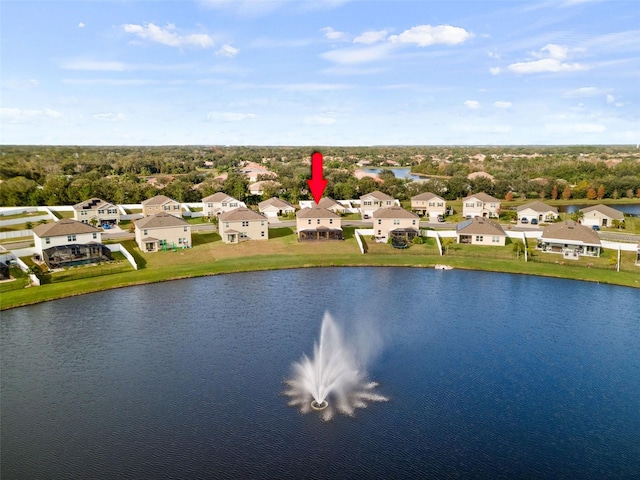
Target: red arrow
[[317, 184]]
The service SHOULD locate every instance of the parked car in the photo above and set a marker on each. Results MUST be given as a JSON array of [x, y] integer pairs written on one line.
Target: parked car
[[524, 220], [441, 218], [534, 221], [596, 227]]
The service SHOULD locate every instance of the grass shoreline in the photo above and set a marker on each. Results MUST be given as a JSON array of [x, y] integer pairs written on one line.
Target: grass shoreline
[[54, 291]]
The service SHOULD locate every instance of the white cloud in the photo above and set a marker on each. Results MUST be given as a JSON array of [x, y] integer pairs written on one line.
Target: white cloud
[[119, 82], [319, 120], [168, 35], [227, 50], [15, 84], [309, 87], [333, 35], [19, 115], [81, 25], [610, 98], [502, 104], [551, 58], [424, 35], [495, 70], [355, 55], [109, 117], [473, 104], [584, 92], [230, 116], [373, 36]]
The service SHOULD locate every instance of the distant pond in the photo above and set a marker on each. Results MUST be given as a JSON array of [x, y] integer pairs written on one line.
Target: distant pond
[[398, 172], [487, 376], [628, 209]]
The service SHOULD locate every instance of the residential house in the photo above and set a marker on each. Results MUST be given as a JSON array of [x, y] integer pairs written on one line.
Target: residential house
[[481, 231], [638, 255], [371, 202], [330, 204], [480, 205], [533, 213], [274, 207], [317, 223], [243, 224], [69, 242], [162, 231], [161, 204], [601, 216], [429, 204], [258, 188], [395, 222], [253, 170], [218, 203], [97, 212], [570, 239]]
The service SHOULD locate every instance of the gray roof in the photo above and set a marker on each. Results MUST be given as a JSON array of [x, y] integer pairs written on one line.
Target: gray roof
[[328, 202], [605, 210], [158, 200], [377, 195], [66, 226], [483, 197], [275, 202], [241, 213], [426, 196], [217, 197], [537, 206], [93, 204], [570, 231], [160, 220], [316, 212], [394, 212], [480, 226]]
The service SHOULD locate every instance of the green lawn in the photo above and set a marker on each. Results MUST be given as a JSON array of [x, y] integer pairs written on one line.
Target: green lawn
[[210, 256]]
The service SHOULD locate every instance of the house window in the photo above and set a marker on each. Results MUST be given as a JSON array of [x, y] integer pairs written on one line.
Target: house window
[[396, 221], [318, 221], [413, 222], [233, 205], [309, 222], [432, 204], [176, 207], [210, 205], [331, 221], [101, 211], [167, 207], [495, 239], [470, 205], [479, 238], [184, 229], [262, 223], [243, 234], [179, 241], [440, 204], [144, 232], [83, 213], [47, 240], [245, 223], [226, 224], [262, 233], [367, 203], [95, 235], [71, 238], [379, 221], [224, 204]]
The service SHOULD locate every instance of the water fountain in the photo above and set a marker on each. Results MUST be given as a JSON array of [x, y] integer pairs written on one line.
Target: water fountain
[[332, 380]]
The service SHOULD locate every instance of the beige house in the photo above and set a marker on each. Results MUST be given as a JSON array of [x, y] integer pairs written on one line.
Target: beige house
[[162, 231], [274, 207], [331, 204], [570, 239], [318, 223], [371, 202], [64, 232], [480, 205], [481, 231], [601, 216], [96, 211], [395, 222], [534, 213], [161, 204], [259, 187], [218, 203], [242, 224], [429, 204]]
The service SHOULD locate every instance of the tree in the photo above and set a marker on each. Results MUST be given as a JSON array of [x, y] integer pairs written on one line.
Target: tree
[[566, 193], [591, 194], [601, 192], [509, 196], [554, 193]]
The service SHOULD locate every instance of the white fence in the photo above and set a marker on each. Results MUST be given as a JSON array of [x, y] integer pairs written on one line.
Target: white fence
[[16, 234], [363, 231], [118, 247]]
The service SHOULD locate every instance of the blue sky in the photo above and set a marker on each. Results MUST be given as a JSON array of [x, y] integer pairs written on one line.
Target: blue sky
[[319, 72]]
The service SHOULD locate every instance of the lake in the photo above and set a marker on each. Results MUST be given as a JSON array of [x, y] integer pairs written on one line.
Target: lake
[[632, 209], [398, 172], [487, 376]]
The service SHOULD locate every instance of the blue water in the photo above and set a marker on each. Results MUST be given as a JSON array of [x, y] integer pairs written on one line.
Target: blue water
[[398, 172], [488, 375], [627, 209]]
